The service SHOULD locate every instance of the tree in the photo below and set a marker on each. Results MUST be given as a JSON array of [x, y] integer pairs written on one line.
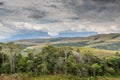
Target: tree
[[14, 49], [1, 56], [111, 71], [96, 68], [50, 54]]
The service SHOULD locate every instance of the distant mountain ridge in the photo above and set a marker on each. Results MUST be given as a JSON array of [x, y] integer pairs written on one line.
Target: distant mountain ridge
[[27, 34], [97, 41]]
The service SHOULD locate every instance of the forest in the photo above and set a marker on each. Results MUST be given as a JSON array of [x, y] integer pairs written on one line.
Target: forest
[[51, 60]]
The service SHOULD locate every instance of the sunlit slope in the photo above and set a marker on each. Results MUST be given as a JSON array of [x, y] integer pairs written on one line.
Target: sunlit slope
[[102, 41], [96, 52]]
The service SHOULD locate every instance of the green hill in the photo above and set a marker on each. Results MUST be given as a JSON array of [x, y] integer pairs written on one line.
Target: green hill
[[101, 41]]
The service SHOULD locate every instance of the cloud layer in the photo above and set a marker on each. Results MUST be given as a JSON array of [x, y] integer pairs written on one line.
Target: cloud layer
[[55, 16]]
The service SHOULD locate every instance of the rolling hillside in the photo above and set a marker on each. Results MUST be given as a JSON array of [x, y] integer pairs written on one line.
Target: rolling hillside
[[101, 41]]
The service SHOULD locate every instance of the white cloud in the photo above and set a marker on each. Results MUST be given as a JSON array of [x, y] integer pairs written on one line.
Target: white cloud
[[5, 32], [53, 29], [53, 33], [80, 26], [3, 37]]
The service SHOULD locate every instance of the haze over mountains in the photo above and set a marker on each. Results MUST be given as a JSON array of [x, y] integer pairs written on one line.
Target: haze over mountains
[[41, 35]]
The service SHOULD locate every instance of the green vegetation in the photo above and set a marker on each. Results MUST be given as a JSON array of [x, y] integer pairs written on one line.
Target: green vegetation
[[114, 46], [68, 77], [72, 62], [79, 44]]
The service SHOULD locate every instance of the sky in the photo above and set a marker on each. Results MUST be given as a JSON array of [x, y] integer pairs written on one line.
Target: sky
[[22, 19]]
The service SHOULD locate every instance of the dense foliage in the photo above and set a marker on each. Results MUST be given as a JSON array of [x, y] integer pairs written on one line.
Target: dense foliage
[[113, 46], [57, 60]]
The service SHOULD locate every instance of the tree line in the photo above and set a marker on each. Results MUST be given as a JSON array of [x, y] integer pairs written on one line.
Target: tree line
[[57, 60]]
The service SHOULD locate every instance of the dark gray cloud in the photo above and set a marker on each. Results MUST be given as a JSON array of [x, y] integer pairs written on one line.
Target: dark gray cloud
[[1, 3], [105, 1], [95, 10], [35, 13]]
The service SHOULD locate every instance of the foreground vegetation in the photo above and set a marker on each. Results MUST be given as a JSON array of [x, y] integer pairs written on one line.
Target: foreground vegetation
[[23, 76], [54, 61], [68, 77]]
